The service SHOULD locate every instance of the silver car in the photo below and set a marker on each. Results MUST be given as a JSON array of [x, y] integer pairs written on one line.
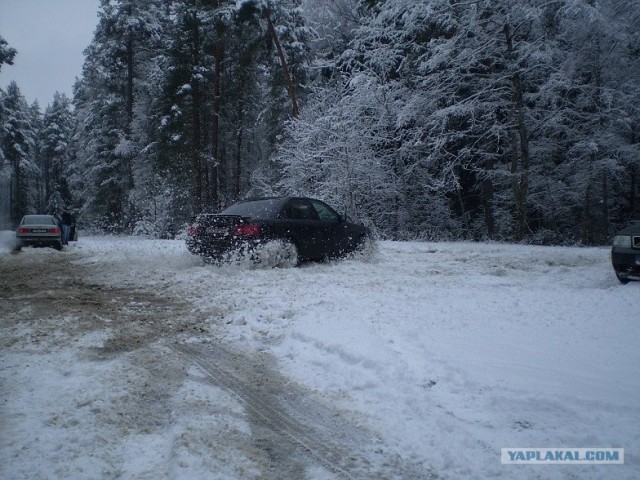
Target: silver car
[[39, 230]]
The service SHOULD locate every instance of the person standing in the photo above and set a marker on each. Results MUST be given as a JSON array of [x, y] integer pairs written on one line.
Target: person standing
[[67, 221]]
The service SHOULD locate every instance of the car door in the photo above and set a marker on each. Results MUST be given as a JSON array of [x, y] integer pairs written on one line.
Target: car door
[[334, 232], [300, 221]]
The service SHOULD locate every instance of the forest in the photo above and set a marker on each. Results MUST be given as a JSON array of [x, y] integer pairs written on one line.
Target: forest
[[506, 120]]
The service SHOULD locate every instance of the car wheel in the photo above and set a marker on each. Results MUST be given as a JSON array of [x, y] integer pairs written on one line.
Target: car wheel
[[58, 246], [287, 255], [366, 246], [211, 260], [623, 280]]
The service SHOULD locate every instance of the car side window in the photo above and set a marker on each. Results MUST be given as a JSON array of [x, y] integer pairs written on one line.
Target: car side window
[[325, 212], [300, 210]]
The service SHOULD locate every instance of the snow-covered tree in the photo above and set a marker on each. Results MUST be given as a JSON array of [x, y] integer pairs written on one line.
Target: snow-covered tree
[[226, 94], [57, 131], [105, 101], [490, 110], [7, 53], [17, 139], [600, 97]]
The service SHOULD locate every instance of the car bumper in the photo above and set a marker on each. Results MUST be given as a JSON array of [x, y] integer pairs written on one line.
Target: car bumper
[[212, 249], [44, 240], [626, 263]]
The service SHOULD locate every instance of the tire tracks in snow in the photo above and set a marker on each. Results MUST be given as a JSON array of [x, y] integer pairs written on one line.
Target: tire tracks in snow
[[295, 433], [290, 427]]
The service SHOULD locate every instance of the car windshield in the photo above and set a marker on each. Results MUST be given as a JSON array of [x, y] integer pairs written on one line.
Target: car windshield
[[268, 208], [38, 220]]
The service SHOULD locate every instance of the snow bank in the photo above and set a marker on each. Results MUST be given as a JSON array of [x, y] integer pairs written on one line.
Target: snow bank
[[7, 240]]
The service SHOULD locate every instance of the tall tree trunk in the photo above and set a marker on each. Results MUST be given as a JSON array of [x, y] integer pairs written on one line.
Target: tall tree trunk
[[196, 160], [586, 217], [126, 212], [130, 77], [461, 205], [523, 142], [215, 126], [606, 226], [515, 186], [196, 154], [487, 202], [633, 194], [17, 197], [239, 138], [285, 68], [463, 210], [633, 174], [46, 172]]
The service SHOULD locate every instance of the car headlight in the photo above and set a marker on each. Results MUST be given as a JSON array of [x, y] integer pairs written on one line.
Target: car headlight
[[622, 241]]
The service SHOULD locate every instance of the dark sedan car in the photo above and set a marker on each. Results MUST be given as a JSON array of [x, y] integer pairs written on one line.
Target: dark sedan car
[[298, 229], [625, 254], [38, 230]]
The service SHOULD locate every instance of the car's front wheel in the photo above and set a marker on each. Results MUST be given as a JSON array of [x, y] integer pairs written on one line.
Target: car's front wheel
[[623, 280], [366, 247]]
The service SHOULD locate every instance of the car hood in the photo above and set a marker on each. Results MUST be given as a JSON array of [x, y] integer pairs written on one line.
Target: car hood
[[631, 230]]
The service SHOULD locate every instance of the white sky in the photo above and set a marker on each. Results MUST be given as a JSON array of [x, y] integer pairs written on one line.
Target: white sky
[[50, 36]]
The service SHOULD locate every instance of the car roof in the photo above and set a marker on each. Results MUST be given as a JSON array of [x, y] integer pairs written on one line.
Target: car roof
[[38, 218], [259, 199], [268, 207], [277, 203], [282, 199]]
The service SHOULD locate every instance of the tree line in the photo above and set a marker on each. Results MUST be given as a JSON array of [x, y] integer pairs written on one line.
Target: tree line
[[514, 120]]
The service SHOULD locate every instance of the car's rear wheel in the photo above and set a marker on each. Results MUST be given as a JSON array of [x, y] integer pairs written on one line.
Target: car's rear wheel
[[211, 259], [287, 256]]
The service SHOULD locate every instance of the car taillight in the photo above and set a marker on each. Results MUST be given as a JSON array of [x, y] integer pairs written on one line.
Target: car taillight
[[194, 230], [54, 230], [23, 230], [246, 230]]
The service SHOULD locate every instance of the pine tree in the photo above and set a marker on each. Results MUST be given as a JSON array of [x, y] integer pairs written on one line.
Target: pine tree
[[18, 141], [7, 53], [36, 190], [58, 125], [105, 101]]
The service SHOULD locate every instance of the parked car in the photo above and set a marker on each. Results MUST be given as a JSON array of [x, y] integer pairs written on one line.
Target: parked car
[[625, 254], [300, 228], [38, 231]]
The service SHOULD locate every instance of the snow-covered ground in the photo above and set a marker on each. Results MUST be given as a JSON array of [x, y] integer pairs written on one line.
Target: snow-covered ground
[[446, 351]]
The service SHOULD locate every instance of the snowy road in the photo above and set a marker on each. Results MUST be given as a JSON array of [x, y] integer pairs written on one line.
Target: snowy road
[[129, 358]]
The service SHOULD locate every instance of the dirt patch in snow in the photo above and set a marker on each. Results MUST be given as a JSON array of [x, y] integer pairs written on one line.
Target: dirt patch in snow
[[150, 373]]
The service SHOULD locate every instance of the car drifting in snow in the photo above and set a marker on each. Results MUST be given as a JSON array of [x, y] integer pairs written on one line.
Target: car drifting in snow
[[283, 231], [625, 254]]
